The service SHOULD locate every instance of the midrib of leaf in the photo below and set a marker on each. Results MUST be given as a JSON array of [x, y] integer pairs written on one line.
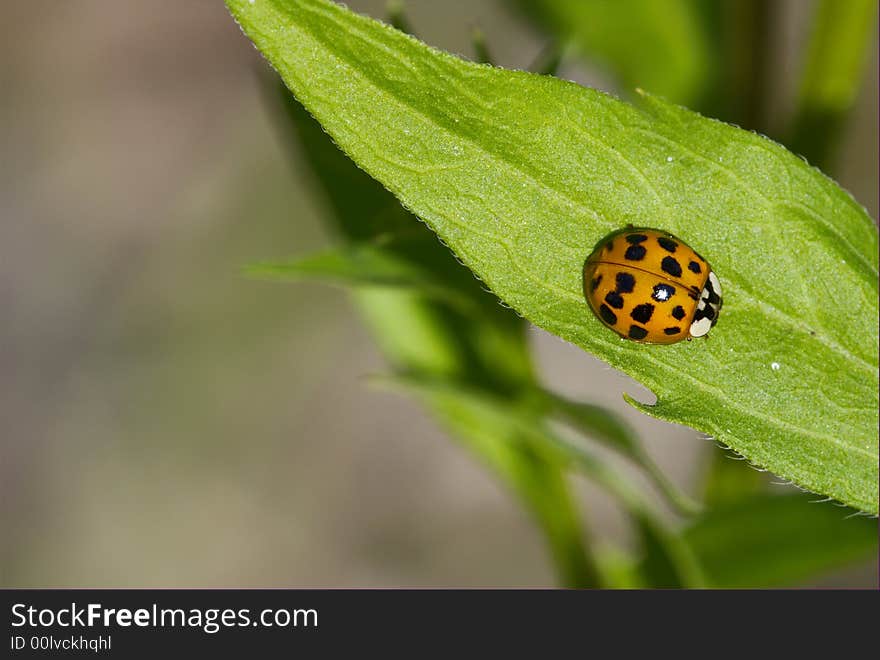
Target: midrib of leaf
[[656, 370], [786, 319]]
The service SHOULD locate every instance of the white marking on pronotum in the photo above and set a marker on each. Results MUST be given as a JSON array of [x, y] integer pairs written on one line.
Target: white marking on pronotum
[[716, 285], [701, 327]]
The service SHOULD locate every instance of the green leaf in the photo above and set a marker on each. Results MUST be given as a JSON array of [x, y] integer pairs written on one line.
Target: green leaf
[[522, 174], [832, 75], [665, 50], [364, 264], [779, 540]]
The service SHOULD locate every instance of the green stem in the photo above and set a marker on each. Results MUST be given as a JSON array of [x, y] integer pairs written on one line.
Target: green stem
[[542, 485], [604, 427], [669, 559]]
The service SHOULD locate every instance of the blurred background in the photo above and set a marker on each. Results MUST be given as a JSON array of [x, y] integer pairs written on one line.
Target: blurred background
[[166, 421]]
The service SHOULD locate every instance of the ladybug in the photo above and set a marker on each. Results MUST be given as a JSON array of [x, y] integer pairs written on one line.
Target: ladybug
[[651, 287]]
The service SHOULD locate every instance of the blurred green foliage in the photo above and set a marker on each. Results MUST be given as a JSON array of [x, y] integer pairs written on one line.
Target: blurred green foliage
[[777, 540], [663, 47], [832, 73]]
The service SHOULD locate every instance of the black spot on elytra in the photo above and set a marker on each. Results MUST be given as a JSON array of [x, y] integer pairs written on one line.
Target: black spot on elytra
[[694, 295], [636, 238], [594, 284], [635, 252], [607, 315], [615, 300], [663, 292], [671, 331], [625, 282], [667, 244], [694, 267], [671, 266], [642, 313], [609, 246], [678, 312], [635, 332]]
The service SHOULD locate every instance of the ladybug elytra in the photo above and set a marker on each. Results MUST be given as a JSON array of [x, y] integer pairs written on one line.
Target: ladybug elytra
[[651, 287]]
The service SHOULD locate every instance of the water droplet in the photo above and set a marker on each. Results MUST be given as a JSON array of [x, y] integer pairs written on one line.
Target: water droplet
[[775, 366], [669, 159]]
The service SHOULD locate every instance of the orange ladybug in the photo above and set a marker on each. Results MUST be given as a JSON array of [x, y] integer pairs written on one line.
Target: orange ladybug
[[651, 287]]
